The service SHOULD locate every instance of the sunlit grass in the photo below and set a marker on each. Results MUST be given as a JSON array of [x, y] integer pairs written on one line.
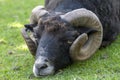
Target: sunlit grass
[[2, 0], [15, 24], [2, 41], [16, 61], [22, 47]]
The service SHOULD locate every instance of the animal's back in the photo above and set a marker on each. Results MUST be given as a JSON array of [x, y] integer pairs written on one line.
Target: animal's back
[[108, 12]]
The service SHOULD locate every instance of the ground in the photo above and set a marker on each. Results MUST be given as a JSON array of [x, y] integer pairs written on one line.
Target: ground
[[16, 61]]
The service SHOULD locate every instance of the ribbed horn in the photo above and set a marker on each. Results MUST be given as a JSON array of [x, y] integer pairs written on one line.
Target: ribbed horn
[[86, 18], [30, 43], [37, 13]]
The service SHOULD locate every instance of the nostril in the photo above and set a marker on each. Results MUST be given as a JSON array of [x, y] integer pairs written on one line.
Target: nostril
[[43, 66], [41, 63], [46, 60]]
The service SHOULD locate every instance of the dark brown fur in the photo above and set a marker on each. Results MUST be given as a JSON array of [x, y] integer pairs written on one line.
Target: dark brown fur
[[58, 24]]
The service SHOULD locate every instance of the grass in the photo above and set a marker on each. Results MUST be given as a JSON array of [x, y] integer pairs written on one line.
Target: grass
[[16, 61]]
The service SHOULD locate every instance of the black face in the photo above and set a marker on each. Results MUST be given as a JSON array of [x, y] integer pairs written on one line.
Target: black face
[[53, 48]]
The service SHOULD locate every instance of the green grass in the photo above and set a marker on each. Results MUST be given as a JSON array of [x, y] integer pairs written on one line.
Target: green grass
[[16, 61]]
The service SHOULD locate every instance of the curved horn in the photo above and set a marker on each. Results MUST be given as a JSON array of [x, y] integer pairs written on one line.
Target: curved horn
[[37, 13], [30, 43], [82, 48]]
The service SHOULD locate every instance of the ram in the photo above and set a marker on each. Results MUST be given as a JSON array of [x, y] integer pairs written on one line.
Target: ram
[[65, 31]]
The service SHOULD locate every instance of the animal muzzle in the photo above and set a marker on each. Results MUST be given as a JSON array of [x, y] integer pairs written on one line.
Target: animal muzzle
[[43, 67]]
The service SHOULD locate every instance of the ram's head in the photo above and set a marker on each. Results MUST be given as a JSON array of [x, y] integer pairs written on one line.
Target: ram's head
[[59, 40]]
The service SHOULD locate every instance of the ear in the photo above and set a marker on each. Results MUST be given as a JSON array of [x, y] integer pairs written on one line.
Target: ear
[[46, 2], [30, 26], [86, 30], [71, 35]]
